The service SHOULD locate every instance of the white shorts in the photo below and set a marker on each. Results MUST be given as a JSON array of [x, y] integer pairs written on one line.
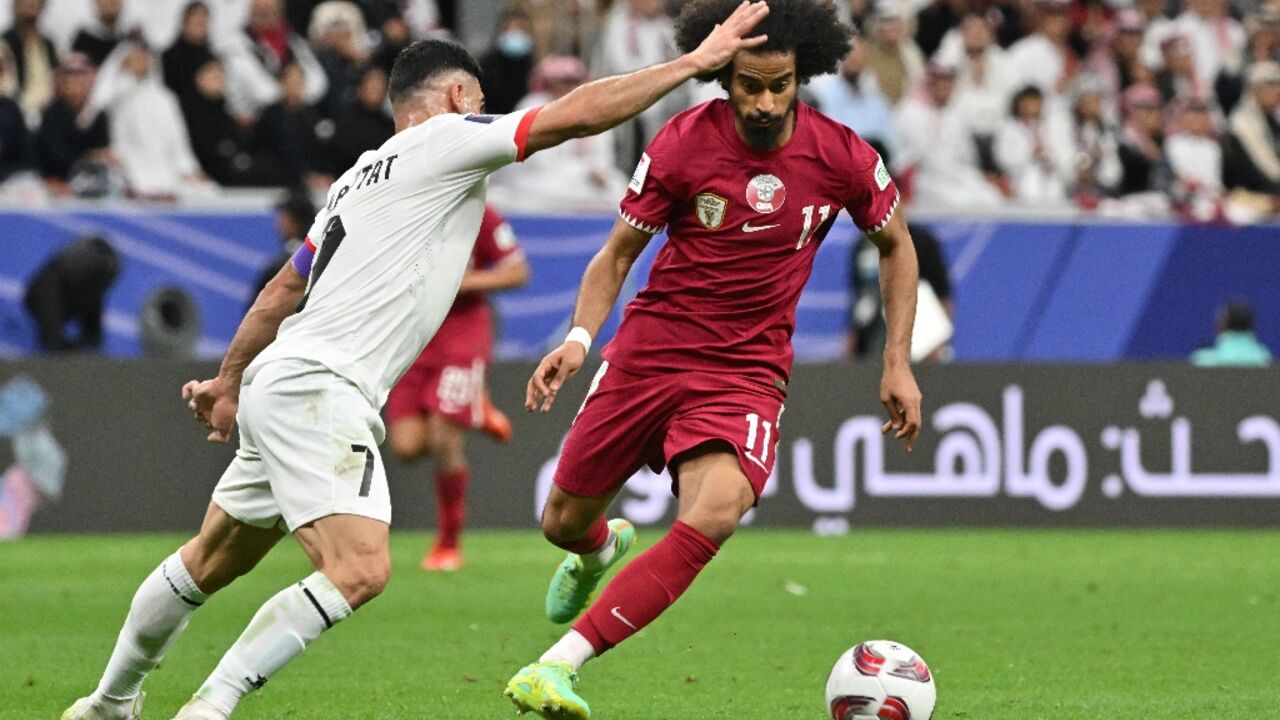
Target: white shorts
[[308, 449]]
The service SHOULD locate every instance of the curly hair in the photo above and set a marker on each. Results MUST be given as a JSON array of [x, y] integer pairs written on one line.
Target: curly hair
[[810, 28]]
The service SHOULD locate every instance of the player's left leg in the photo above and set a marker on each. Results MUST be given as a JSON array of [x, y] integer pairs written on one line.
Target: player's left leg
[[353, 563], [224, 549]]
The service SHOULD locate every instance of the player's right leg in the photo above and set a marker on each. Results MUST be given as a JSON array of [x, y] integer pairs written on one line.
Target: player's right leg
[[714, 494], [613, 435], [224, 549], [353, 563], [575, 523]]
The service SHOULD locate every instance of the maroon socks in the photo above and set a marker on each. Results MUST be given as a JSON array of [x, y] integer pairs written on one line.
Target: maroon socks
[[644, 588]]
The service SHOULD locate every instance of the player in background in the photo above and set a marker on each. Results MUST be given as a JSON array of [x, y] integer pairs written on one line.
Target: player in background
[[312, 362], [443, 393], [696, 377]]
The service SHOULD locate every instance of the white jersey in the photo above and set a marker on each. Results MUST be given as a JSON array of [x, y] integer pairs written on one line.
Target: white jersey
[[392, 244]]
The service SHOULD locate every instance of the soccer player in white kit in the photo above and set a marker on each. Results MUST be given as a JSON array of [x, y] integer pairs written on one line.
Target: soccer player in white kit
[[315, 357]]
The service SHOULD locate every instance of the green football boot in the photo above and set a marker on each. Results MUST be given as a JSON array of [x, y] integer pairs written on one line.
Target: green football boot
[[548, 689], [572, 585]]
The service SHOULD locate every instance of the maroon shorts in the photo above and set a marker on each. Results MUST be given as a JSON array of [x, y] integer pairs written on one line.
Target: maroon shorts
[[450, 387], [628, 421]]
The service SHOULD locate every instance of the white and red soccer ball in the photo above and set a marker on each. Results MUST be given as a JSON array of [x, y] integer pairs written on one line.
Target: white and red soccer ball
[[881, 680]]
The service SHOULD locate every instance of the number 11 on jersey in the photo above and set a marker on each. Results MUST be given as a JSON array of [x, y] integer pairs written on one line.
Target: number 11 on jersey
[[824, 212], [762, 430]]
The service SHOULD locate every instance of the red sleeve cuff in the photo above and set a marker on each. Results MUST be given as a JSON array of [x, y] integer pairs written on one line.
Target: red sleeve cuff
[[310, 245], [522, 133]]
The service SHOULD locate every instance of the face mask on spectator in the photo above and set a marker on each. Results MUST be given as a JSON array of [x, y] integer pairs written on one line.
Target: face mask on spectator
[[515, 43]]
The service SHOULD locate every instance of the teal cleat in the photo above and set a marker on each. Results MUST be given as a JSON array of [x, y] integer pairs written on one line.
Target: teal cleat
[[572, 585], [548, 689]]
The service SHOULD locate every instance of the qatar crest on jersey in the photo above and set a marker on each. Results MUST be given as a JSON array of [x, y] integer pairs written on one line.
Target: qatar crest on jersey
[[710, 209], [766, 193]]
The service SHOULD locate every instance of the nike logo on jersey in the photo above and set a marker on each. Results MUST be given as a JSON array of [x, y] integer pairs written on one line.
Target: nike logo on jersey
[[747, 227], [624, 620]]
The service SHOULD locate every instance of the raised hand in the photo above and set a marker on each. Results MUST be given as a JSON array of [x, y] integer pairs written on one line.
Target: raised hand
[[727, 38]]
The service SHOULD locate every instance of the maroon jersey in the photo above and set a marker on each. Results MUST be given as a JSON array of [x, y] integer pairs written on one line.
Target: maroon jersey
[[468, 328], [743, 227]]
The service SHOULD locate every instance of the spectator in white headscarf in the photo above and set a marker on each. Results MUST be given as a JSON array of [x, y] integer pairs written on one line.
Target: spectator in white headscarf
[[1253, 134], [1217, 39], [1090, 158], [892, 55], [1195, 157], [1045, 58], [985, 78], [1024, 150], [255, 56], [148, 134], [938, 157], [341, 42]]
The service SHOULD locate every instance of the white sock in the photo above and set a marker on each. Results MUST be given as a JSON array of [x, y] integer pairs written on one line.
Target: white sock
[[283, 627], [159, 613], [573, 648], [592, 562]]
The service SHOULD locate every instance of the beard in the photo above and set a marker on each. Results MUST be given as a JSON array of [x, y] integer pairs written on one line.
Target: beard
[[763, 131]]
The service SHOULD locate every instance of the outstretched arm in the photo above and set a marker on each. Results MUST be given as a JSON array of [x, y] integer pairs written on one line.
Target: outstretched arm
[[597, 106], [214, 402], [899, 285], [599, 290]]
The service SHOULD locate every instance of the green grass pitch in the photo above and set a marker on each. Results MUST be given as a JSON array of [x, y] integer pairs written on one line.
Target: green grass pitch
[[1017, 625]]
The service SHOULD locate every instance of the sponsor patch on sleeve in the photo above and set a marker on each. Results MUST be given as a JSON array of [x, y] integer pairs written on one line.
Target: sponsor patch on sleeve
[[882, 174], [642, 172]]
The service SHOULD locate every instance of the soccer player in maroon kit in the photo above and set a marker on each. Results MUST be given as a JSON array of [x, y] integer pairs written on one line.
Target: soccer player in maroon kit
[[696, 377], [443, 395]]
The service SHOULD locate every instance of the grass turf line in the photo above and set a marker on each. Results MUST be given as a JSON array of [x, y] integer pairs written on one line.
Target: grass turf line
[[1017, 625]]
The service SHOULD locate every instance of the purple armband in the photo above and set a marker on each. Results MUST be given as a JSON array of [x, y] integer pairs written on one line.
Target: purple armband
[[303, 257]]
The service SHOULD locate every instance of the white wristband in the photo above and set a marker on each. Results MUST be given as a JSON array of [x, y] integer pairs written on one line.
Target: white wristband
[[580, 335]]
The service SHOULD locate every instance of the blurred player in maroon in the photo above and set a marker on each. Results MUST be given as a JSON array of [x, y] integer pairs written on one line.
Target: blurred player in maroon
[[443, 395], [696, 377]]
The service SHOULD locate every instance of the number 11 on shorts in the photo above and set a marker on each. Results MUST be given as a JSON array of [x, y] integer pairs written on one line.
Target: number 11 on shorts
[[755, 428]]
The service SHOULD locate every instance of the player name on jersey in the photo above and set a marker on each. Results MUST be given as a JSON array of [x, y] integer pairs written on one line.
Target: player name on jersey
[[370, 174]]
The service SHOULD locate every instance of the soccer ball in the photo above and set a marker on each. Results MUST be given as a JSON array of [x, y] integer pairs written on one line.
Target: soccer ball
[[880, 679]]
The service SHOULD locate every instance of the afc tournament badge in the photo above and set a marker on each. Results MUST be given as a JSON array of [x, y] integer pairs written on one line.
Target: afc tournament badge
[[710, 209], [766, 193]]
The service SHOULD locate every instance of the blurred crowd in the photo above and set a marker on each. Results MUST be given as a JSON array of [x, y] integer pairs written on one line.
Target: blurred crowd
[[165, 98], [1128, 107], [1132, 107]]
